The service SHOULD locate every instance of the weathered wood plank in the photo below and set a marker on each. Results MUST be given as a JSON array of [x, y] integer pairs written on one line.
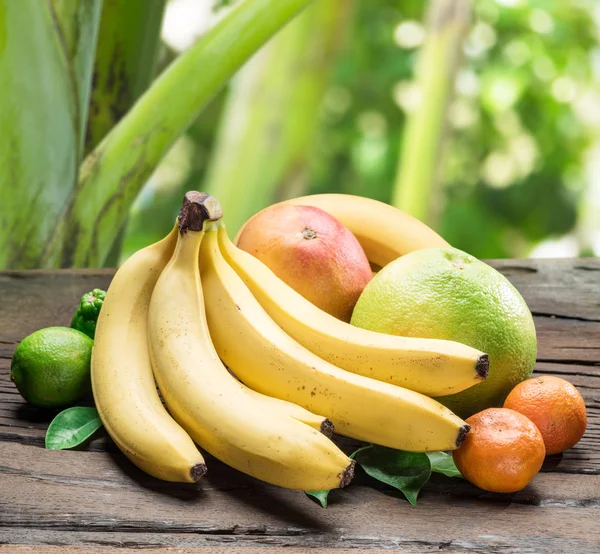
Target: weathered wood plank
[[96, 500], [125, 543], [90, 493], [564, 288], [130, 543], [561, 287], [124, 539], [33, 299]]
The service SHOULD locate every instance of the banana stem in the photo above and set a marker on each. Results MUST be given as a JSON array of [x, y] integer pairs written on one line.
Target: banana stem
[[197, 208]]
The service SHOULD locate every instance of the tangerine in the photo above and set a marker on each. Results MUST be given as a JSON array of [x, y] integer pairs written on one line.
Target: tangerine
[[555, 406], [503, 452]]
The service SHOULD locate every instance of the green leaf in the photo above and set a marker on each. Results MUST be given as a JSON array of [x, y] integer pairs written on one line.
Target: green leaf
[[353, 455], [320, 496], [113, 174], [125, 64], [72, 427], [45, 71], [78, 21], [405, 471], [443, 463]]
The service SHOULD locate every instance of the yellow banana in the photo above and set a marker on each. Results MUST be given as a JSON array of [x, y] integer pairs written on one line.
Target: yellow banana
[[430, 366], [288, 409], [208, 402], [384, 232], [268, 360], [123, 384]]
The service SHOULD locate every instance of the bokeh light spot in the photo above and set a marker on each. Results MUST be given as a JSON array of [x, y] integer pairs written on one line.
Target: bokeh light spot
[[409, 34]]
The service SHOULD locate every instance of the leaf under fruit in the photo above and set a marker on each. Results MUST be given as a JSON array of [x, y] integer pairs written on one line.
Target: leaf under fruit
[[72, 427], [320, 496], [443, 463], [405, 471]]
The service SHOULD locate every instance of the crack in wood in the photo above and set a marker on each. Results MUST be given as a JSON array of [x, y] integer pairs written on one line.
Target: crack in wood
[[567, 371], [567, 317], [588, 363], [134, 526], [335, 540], [482, 544], [509, 270]]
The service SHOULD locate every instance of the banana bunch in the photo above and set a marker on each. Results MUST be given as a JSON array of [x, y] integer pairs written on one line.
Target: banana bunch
[[244, 364]]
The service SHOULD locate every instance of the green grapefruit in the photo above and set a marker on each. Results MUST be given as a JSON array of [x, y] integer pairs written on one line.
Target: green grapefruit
[[444, 293]]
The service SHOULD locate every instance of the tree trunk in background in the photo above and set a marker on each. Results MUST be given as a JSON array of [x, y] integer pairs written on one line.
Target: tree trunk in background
[[125, 65], [272, 111], [46, 57], [421, 159]]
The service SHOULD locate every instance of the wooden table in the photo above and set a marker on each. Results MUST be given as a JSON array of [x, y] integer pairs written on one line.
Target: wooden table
[[95, 500]]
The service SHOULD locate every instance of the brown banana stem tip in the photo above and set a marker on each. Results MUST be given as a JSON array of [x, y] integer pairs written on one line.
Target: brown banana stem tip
[[462, 434], [197, 471], [482, 367], [327, 428], [348, 474], [197, 208]]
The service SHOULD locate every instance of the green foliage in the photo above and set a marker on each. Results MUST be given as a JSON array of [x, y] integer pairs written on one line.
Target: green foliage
[[320, 497], [522, 120], [422, 151], [505, 114], [77, 29], [271, 113], [50, 220], [218, 4], [443, 463], [72, 427], [45, 70], [114, 173], [516, 172], [406, 472], [125, 62]]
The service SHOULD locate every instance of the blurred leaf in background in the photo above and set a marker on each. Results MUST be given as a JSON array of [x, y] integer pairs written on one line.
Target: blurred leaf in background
[[521, 170], [57, 209], [256, 146], [184, 166], [48, 63], [266, 131], [516, 171]]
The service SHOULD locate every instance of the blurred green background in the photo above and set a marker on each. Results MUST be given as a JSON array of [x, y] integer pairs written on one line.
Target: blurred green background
[[518, 170], [479, 117]]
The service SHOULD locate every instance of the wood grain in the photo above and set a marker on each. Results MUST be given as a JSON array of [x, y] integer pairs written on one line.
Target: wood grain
[[94, 500]]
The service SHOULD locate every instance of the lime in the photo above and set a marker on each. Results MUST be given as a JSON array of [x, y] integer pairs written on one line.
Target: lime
[[51, 367], [444, 293]]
